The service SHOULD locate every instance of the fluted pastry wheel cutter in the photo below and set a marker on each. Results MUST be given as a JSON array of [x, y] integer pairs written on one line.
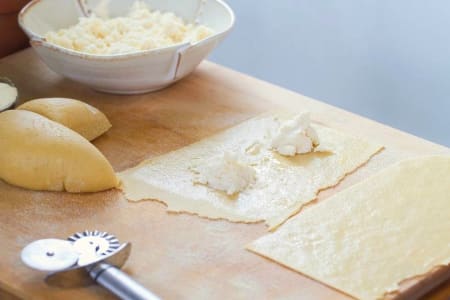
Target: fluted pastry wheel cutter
[[86, 257]]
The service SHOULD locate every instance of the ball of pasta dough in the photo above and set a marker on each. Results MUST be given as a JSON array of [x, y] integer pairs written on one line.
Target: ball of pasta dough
[[78, 116], [40, 154]]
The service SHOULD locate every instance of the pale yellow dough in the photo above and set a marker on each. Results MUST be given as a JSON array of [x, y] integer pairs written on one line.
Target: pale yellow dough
[[77, 115], [367, 239], [39, 154], [281, 187]]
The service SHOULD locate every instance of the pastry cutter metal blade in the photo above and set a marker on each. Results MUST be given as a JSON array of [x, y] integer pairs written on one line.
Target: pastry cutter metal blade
[[86, 257]]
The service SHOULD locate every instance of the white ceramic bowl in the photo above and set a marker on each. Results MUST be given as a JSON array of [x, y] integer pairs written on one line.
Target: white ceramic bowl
[[131, 73]]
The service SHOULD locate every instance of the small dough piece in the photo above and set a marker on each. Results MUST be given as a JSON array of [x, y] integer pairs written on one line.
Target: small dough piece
[[77, 115], [8, 95], [282, 184], [368, 238], [39, 154], [224, 173]]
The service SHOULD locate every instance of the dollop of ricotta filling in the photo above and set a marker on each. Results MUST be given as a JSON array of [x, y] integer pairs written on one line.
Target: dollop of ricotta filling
[[225, 173], [295, 136]]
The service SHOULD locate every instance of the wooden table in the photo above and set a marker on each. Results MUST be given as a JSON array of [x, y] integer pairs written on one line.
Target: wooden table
[[176, 255]]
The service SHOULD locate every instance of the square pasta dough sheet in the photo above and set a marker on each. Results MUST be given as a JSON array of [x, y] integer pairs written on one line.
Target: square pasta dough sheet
[[368, 238], [282, 185]]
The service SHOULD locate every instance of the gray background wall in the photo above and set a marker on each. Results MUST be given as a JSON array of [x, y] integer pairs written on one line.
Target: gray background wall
[[387, 60]]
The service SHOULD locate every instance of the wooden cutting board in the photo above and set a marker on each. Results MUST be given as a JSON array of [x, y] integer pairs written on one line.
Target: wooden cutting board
[[176, 255]]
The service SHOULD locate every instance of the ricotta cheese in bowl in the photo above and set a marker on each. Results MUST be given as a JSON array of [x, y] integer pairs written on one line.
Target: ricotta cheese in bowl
[[141, 29], [127, 47]]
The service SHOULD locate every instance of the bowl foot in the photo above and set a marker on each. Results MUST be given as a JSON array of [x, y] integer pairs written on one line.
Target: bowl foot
[[132, 92]]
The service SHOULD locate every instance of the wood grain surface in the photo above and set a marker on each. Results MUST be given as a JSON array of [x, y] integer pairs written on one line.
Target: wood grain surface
[[178, 256]]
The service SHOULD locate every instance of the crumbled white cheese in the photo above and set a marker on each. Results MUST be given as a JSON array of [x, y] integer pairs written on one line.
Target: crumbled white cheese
[[141, 29], [8, 95], [254, 148], [225, 174], [295, 136]]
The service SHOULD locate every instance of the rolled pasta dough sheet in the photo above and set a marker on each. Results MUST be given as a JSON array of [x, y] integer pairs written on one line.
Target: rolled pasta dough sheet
[[368, 238], [282, 185]]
